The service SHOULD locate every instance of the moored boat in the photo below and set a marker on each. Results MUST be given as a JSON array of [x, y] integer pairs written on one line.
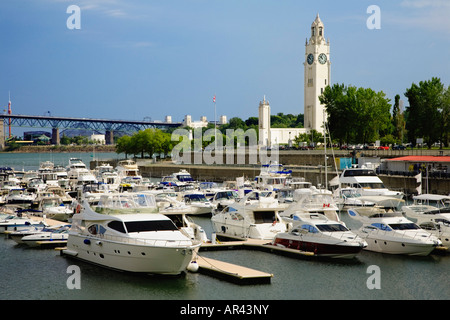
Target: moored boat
[[390, 232], [144, 243], [325, 238]]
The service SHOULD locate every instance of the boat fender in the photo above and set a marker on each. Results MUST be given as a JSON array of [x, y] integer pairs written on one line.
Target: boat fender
[[99, 243], [78, 209], [193, 266], [87, 241]]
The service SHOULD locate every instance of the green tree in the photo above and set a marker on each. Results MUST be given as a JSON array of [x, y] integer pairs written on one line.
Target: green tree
[[356, 115], [427, 111]]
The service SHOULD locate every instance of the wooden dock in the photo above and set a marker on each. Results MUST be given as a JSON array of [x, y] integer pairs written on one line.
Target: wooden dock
[[232, 272], [239, 274]]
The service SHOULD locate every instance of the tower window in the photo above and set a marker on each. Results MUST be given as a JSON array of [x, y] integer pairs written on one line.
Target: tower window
[[310, 82], [325, 81], [320, 31], [312, 31]]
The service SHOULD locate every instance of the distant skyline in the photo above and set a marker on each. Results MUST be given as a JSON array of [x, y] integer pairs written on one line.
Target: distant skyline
[[138, 59]]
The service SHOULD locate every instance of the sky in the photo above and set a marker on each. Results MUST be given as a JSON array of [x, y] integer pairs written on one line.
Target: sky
[[145, 59]]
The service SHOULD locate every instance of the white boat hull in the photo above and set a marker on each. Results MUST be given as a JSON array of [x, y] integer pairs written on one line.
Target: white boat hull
[[405, 247], [168, 260], [263, 231]]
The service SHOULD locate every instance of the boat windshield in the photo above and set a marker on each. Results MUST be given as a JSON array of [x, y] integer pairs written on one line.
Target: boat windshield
[[404, 226], [195, 198], [154, 225], [331, 227]]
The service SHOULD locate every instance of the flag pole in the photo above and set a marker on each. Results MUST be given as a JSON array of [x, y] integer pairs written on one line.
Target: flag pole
[[215, 125]]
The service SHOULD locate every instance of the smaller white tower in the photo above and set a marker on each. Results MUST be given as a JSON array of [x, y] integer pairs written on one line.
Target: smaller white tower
[[264, 123]]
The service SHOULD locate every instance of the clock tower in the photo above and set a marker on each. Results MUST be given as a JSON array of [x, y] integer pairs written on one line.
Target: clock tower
[[317, 75]]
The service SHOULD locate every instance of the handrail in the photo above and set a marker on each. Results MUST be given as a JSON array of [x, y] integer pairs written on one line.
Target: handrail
[[137, 241]]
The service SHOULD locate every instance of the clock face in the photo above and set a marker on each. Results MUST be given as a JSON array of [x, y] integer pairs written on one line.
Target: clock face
[[322, 58], [310, 58]]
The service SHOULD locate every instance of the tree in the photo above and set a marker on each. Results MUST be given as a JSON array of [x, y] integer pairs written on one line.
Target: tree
[[398, 120], [427, 112], [356, 115]]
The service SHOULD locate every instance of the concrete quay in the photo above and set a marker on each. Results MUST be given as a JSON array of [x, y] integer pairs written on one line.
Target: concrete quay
[[308, 164]]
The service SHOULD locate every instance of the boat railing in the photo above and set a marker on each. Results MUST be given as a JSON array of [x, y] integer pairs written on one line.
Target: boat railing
[[402, 234], [137, 241]]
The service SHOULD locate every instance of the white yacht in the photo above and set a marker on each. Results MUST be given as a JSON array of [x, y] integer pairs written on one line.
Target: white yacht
[[312, 200], [255, 216], [134, 242], [16, 223], [366, 182], [198, 203], [54, 208], [51, 236], [223, 198], [272, 177], [325, 238], [78, 173], [19, 196], [128, 168], [390, 232], [432, 213]]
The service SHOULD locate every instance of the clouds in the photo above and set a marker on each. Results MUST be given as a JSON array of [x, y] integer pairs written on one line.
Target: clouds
[[427, 15]]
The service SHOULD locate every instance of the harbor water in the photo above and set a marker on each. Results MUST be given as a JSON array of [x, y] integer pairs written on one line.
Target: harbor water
[[30, 273]]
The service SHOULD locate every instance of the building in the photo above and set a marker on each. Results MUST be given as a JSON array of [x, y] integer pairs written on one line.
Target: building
[[317, 66]]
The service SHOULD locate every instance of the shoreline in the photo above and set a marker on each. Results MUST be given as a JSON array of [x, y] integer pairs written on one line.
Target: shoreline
[[63, 149]]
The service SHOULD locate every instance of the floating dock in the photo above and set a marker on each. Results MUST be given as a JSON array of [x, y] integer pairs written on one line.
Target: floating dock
[[232, 272], [239, 274]]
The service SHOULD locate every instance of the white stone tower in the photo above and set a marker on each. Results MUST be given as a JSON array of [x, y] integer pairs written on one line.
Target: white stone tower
[[264, 123], [317, 75]]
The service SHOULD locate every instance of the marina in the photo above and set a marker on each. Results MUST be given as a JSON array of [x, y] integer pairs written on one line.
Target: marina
[[242, 267]]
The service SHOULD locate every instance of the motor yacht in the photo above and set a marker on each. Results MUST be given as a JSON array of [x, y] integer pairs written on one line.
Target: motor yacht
[[365, 180], [312, 201], [198, 203], [18, 235], [54, 208], [432, 213], [16, 223], [133, 242], [325, 238], [390, 232], [223, 198], [20, 196], [51, 236], [272, 177], [255, 216]]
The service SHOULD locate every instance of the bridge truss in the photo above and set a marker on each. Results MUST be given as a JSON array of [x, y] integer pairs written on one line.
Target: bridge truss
[[83, 123]]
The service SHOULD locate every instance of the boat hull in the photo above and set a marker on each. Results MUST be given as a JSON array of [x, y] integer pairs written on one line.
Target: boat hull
[[130, 257], [320, 249], [399, 247]]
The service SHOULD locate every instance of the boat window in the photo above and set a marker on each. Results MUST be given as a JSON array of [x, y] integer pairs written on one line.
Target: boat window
[[359, 172], [154, 225], [381, 226], [117, 225], [429, 226], [331, 227], [404, 226], [443, 221], [309, 228], [264, 216]]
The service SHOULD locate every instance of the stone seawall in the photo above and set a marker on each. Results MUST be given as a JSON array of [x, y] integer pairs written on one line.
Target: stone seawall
[[314, 175]]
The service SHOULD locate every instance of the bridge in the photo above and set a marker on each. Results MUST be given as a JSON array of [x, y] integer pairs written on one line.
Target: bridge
[[106, 125]]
